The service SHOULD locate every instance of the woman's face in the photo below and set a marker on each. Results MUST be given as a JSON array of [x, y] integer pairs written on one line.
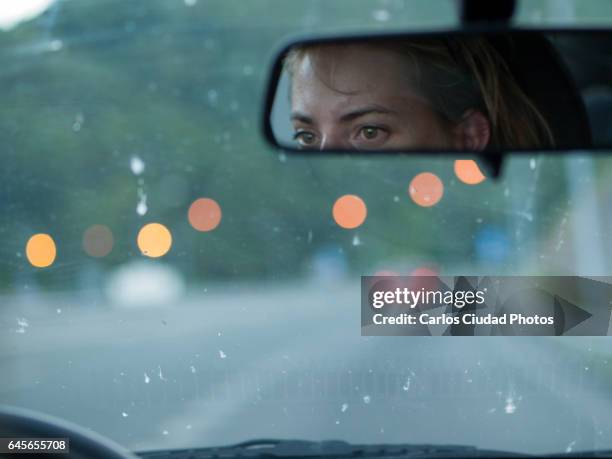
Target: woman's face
[[360, 97]]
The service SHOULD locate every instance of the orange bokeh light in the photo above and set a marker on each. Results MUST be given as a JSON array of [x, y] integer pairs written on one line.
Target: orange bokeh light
[[385, 273], [468, 171], [426, 189], [204, 214], [422, 271], [154, 240], [424, 277], [41, 250], [349, 211], [98, 241]]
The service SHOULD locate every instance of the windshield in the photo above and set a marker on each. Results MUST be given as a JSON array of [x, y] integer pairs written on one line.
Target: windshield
[[169, 280]]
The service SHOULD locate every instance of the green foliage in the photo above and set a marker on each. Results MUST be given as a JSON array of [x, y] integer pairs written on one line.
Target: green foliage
[[91, 84]]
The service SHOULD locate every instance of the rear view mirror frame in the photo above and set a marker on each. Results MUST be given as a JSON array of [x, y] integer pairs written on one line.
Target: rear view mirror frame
[[492, 156]]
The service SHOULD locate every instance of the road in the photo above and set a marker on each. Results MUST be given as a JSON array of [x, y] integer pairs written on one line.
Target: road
[[287, 361]]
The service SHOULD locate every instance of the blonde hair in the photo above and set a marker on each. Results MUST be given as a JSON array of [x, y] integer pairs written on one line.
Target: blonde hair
[[459, 74]]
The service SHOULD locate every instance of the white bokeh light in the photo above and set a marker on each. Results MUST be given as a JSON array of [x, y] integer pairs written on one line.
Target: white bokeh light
[[14, 12]]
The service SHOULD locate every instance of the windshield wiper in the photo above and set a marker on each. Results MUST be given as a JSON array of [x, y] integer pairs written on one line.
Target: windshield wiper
[[267, 448]]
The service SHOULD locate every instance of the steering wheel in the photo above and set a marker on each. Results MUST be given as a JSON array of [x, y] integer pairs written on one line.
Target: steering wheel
[[84, 444]]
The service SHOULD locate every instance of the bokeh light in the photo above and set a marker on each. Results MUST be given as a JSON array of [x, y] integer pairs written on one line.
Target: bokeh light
[[41, 250], [423, 271], [426, 189], [468, 171], [424, 277], [386, 273], [349, 211], [98, 241], [154, 240], [204, 214]]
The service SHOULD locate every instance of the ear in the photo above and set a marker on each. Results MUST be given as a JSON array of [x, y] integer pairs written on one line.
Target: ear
[[473, 132]]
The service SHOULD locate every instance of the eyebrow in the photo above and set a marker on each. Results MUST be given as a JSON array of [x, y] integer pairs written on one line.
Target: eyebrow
[[299, 116], [350, 116], [358, 113]]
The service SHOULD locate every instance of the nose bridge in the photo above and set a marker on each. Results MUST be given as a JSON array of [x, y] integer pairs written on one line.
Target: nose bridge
[[333, 139]]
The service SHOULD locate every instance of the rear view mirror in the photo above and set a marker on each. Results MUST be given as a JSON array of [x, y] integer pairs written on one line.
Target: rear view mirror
[[506, 91]]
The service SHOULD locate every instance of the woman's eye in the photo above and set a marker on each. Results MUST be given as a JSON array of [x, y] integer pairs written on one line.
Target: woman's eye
[[305, 138], [372, 136], [370, 132]]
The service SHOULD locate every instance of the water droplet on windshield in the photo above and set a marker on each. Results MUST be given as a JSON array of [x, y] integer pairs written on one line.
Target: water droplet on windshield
[[381, 15], [222, 354], [344, 407], [78, 122], [141, 207], [213, 96], [124, 414], [22, 325], [532, 164], [147, 380], [366, 399], [510, 407], [55, 45], [137, 165]]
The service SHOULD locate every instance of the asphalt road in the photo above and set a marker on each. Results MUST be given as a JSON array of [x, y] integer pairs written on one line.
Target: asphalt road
[[236, 363]]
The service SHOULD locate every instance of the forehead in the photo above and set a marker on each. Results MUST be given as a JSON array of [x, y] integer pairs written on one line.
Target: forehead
[[349, 72]]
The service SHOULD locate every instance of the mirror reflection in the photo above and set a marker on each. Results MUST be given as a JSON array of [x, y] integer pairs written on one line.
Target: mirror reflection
[[464, 93]]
